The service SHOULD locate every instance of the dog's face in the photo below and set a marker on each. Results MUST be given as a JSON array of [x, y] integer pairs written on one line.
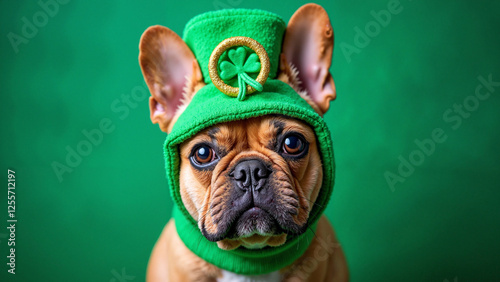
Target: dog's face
[[250, 182]]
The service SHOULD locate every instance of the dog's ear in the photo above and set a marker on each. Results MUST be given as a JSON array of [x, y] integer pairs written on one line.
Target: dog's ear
[[307, 47], [171, 73]]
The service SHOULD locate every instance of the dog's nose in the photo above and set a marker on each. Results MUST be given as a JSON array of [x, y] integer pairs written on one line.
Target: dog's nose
[[251, 174]]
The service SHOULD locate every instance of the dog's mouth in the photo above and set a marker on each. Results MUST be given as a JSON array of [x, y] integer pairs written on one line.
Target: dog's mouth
[[254, 228], [254, 221]]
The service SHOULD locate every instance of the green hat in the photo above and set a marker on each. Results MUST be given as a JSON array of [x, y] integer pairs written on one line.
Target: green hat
[[204, 32], [210, 106]]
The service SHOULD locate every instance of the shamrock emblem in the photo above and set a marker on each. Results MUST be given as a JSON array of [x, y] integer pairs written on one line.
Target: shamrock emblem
[[236, 60], [238, 66]]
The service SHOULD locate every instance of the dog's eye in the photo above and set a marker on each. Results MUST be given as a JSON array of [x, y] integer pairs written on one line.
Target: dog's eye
[[203, 154], [293, 144]]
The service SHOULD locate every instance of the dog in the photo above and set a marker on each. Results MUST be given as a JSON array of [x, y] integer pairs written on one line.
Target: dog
[[249, 184]]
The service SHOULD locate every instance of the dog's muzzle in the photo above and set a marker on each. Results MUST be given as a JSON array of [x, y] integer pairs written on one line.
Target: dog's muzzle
[[252, 178]]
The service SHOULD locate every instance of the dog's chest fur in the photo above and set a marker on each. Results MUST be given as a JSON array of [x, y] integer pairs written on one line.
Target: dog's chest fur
[[233, 277]]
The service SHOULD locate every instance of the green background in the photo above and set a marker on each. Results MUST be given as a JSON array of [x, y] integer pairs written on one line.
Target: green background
[[102, 219]]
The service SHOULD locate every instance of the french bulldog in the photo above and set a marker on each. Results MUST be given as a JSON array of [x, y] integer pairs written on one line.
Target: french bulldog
[[248, 183]]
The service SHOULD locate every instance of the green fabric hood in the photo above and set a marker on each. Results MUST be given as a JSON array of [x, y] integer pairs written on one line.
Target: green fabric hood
[[210, 107]]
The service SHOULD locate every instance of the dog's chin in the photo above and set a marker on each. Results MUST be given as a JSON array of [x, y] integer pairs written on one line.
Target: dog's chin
[[254, 229], [253, 221], [255, 241]]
